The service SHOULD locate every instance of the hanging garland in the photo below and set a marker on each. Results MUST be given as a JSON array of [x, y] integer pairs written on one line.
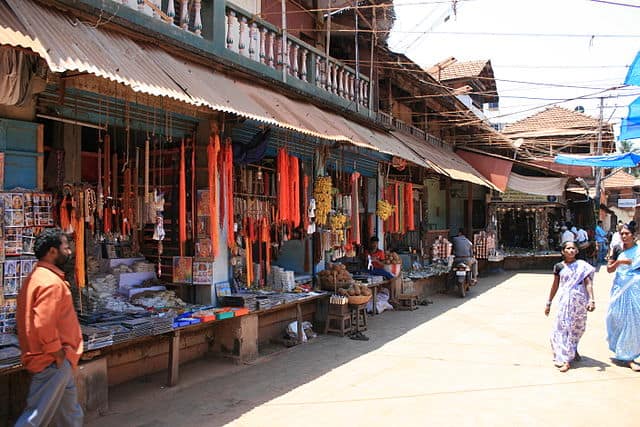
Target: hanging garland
[[322, 196]]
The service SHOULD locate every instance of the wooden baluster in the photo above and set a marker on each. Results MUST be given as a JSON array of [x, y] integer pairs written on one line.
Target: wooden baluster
[[334, 78], [352, 87], [295, 70], [184, 14], [254, 42], [318, 72], [197, 19], [278, 51], [303, 68], [341, 81], [270, 49], [171, 11], [365, 93], [231, 41], [287, 57], [242, 45], [263, 46]]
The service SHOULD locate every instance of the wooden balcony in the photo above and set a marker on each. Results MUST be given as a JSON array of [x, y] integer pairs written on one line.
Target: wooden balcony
[[234, 38]]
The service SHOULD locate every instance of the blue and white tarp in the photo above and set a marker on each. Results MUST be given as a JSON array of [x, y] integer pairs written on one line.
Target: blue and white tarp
[[630, 126], [623, 160], [633, 75]]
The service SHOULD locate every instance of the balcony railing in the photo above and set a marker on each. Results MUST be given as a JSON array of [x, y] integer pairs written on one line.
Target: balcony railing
[[266, 44], [184, 14]]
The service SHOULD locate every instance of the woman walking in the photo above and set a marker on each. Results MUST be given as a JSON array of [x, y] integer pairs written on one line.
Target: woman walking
[[573, 278], [623, 317]]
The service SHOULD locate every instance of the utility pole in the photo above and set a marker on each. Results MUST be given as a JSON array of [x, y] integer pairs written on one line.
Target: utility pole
[[599, 169]]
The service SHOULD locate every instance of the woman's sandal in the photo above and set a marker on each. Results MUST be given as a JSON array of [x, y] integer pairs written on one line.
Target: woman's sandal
[[634, 366], [565, 367]]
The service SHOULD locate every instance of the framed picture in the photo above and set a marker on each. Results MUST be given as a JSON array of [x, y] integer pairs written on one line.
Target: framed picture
[[202, 272], [182, 269], [223, 289]]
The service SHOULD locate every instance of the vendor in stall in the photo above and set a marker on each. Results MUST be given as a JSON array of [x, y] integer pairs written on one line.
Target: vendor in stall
[[373, 257]]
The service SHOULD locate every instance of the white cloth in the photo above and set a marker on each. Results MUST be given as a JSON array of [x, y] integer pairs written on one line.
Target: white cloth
[[582, 236], [616, 240], [537, 185], [567, 236]]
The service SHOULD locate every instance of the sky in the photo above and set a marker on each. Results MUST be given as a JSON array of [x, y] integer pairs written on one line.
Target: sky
[[528, 41]]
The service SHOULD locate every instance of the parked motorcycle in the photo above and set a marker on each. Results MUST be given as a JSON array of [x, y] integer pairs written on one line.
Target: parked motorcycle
[[461, 277]]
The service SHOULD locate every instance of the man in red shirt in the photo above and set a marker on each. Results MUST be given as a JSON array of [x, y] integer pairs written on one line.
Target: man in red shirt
[[50, 337], [375, 256]]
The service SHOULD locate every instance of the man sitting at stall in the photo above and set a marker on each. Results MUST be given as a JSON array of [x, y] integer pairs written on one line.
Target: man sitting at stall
[[373, 259], [463, 251], [567, 235]]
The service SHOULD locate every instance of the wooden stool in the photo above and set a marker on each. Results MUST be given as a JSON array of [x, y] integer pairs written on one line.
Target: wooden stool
[[338, 323], [359, 317], [408, 302]]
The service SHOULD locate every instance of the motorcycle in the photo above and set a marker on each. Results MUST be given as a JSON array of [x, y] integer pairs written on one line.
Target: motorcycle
[[461, 277]]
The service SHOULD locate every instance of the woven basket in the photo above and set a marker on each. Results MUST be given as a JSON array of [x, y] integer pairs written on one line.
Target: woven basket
[[359, 299]]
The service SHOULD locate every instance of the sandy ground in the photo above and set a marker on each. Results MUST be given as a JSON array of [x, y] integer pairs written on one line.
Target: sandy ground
[[480, 361]]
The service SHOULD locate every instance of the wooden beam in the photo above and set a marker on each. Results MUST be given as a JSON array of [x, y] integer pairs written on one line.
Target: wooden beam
[[174, 359]]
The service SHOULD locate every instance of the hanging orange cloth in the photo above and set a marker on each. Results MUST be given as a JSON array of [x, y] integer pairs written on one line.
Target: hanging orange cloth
[[355, 209], [396, 212], [409, 208], [212, 165], [294, 194], [222, 196], [65, 220], [182, 201], [305, 203], [283, 185], [193, 190], [228, 171], [78, 218], [265, 237], [249, 261]]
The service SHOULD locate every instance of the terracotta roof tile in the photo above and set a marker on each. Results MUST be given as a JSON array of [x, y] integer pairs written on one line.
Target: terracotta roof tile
[[459, 70], [553, 118], [620, 179]]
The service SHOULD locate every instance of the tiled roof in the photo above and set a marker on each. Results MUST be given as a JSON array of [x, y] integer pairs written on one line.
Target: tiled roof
[[620, 179], [552, 118], [459, 70]]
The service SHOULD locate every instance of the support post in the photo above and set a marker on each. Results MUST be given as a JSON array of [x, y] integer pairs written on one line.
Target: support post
[[174, 359]]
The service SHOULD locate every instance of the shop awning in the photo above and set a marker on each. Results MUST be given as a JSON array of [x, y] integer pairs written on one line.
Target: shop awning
[[68, 44], [446, 162], [494, 169]]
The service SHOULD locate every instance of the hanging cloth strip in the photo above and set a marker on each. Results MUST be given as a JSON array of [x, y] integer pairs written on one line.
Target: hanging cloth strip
[[396, 212], [65, 219], [78, 218], [305, 202], [182, 202], [212, 162], [265, 237], [194, 191], [223, 185], [294, 194], [409, 209], [355, 209], [228, 182], [248, 261], [283, 185]]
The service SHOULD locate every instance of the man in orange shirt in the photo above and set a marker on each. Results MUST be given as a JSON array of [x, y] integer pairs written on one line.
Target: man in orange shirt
[[50, 337]]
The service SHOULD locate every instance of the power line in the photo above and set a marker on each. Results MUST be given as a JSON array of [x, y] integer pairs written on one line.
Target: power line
[[615, 3]]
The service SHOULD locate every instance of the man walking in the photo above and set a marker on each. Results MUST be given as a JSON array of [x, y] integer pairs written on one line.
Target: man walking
[[50, 337], [601, 239]]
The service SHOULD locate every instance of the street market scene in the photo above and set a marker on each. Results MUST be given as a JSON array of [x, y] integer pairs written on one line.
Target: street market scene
[[255, 213]]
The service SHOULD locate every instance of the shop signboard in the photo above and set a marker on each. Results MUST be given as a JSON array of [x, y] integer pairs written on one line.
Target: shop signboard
[[626, 203], [517, 196]]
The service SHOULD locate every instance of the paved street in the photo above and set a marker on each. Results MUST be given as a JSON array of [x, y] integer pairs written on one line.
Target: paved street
[[481, 361]]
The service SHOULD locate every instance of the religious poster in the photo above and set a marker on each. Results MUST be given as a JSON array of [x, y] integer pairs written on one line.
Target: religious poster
[[182, 269], [204, 248], [202, 214], [223, 289], [13, 241], [28, 241], [13, 209], [12, 278], [202, 272]]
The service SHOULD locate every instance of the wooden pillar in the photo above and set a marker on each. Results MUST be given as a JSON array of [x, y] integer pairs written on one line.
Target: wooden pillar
[[469, 224], [447, 206], [174, 359]]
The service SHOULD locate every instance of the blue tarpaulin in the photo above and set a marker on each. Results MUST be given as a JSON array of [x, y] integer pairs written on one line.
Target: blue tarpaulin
[[633, 75], [630, 127], [624, 160]]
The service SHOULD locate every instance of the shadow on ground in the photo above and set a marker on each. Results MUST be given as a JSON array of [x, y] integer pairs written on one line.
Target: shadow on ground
[[213, 392]]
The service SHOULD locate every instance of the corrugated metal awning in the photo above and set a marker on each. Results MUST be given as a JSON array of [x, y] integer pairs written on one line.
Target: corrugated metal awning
[[449, 162], [68, 44]]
